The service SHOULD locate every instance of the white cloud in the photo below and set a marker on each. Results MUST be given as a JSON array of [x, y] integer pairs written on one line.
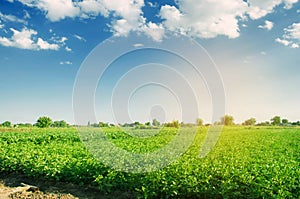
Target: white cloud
[[24, 39], [55, 9], [68, 49], [63, 39], [92, 7], [79, 38], [65, 63], [44, 45], [268, 25], [156, 32], [282, 41], [138, 45], [292, 32], [130, 14], [294, 45], [205, 19], [26, 15], [289, 3], [291, 36], [263, 53], [260, 8], [127, 15], [11, 18], [152, 5]]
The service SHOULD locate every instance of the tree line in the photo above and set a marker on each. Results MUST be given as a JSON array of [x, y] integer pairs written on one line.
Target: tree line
[[227, 120]]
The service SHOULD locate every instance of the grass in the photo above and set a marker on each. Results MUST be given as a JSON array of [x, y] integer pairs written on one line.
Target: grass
[[247, 162]]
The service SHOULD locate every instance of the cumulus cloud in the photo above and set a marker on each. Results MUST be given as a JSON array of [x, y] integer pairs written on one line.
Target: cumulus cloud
[[294, 45], [44, 45], [205, 19], [24, 39], [293, 32], [291, 36], [258, 8], [156, 32], [282, 41], [130, 14], [268, 25], [126, 14], [55, 10]]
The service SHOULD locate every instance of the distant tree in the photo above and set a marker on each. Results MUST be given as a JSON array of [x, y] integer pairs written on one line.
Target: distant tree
[[6, 124], [60, 124], [227, 120], [155, 122], [44, 122], [103, 124], [285, 121], [174, 124], [267, 123], [250, 122], [217, 123], [296, 123], [21, 125], [137, 123], [276, 120], [147, 123], [199, 122], [95, 125]]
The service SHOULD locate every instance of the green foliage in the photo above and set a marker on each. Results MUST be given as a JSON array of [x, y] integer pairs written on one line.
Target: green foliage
[[155, 122], [247, 162], [276, 120], [103, 124], [44, 122], [60, 124], [227, 120], [21, 125], [199, 122], [285, 121], [174, 124], [267, 123], [6, 124], [250, 122]]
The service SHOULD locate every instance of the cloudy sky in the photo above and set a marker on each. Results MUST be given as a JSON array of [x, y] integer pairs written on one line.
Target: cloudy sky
[[254, 43]]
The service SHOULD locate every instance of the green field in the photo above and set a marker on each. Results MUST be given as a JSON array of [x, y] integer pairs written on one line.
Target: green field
[[247, 162]]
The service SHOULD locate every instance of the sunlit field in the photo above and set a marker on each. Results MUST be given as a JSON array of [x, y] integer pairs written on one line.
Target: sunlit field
[[247, 162]]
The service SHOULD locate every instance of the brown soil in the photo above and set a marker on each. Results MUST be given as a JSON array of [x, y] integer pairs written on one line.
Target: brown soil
[[17, 186]]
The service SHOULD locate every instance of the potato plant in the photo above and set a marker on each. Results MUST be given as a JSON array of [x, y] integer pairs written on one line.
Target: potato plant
[[247, 162]]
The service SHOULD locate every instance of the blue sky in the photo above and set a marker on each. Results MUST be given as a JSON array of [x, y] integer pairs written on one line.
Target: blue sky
[[43, 44]]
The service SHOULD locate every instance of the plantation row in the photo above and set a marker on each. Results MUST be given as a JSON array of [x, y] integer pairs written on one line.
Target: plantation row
[[247, 162]]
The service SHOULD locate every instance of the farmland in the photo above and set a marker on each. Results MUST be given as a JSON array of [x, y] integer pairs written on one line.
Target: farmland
[[247, 162]]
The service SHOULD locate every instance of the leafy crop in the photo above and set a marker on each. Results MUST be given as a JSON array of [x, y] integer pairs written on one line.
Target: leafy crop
[[247, 162]]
